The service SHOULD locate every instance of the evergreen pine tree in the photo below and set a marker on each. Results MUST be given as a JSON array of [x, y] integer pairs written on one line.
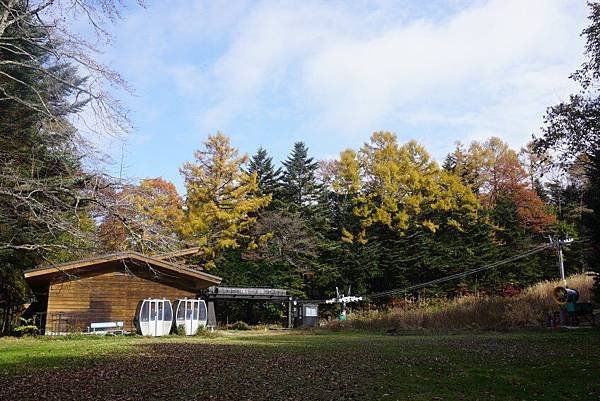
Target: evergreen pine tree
[[45, 191], [300, 188], [267, 177]]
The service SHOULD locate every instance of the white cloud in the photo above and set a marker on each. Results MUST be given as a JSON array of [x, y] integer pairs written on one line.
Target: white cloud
[[474, 67], [490, 68]]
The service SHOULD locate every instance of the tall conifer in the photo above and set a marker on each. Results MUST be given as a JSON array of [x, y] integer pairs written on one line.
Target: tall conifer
[[300, 188], [267, 177]]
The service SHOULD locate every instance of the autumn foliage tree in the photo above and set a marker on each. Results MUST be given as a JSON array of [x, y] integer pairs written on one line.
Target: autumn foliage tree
[[148, 219], [494, 171], [399, 218], [510, 181], [159, 208], [221, 199], [402, 188]]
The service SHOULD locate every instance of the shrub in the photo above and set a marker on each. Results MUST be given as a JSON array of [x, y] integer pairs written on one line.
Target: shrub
[[180, 330], [26, 328], [239, 325], [203, 331]]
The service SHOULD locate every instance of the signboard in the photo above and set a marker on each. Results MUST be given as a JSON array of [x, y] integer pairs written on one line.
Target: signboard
[[248, 293], [310, 311]]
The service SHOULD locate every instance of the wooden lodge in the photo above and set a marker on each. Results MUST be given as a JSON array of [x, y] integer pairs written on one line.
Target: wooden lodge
[[72, 297]]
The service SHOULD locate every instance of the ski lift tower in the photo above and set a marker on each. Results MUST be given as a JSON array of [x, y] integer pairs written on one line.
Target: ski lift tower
[[342, 300]]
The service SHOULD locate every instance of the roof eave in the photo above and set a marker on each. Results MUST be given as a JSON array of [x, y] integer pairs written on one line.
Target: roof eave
[[41, 271]]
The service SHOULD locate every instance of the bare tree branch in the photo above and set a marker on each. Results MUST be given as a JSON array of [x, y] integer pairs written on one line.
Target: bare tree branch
[[45, 25]]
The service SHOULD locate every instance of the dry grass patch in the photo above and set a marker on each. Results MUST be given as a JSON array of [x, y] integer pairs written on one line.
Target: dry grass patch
[[529, 308]]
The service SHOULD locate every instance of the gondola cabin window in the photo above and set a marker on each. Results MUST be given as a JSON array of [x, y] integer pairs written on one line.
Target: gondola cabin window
[[188, 310], [144, 316], [168, 314], [202, 312]]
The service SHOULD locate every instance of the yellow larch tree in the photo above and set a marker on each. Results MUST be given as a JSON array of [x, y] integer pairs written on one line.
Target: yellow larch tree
[[403, 189], [222, 198]]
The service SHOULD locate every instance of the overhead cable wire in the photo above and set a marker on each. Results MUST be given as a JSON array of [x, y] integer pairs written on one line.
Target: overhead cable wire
[[455, 276]]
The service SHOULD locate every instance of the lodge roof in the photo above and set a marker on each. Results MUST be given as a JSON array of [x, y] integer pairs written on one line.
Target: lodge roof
[[156, 261]]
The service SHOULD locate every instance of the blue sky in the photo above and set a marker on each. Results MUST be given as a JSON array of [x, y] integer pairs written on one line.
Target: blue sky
[[330, 73]]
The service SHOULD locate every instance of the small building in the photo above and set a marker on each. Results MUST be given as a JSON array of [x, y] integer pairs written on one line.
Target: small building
[[71, 296], [306, 315]]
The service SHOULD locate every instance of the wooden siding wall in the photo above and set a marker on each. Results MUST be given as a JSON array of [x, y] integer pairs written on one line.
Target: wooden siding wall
[[108, 297]]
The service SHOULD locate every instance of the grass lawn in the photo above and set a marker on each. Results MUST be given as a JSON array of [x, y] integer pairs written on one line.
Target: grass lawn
[[305, 366]]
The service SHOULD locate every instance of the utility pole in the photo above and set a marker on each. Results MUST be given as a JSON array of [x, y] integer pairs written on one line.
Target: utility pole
[[561, 265], [558, 244]]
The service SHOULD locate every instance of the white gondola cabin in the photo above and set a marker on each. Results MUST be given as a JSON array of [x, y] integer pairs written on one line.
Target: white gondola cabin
[[154, 317], [190, 314]]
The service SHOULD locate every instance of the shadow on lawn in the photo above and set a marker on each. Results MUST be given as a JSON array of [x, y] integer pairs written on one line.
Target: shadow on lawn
[[326, 367], [196, 371]]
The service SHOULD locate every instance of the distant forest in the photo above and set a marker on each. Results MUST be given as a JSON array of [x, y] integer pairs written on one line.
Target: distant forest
[[383, 216]]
